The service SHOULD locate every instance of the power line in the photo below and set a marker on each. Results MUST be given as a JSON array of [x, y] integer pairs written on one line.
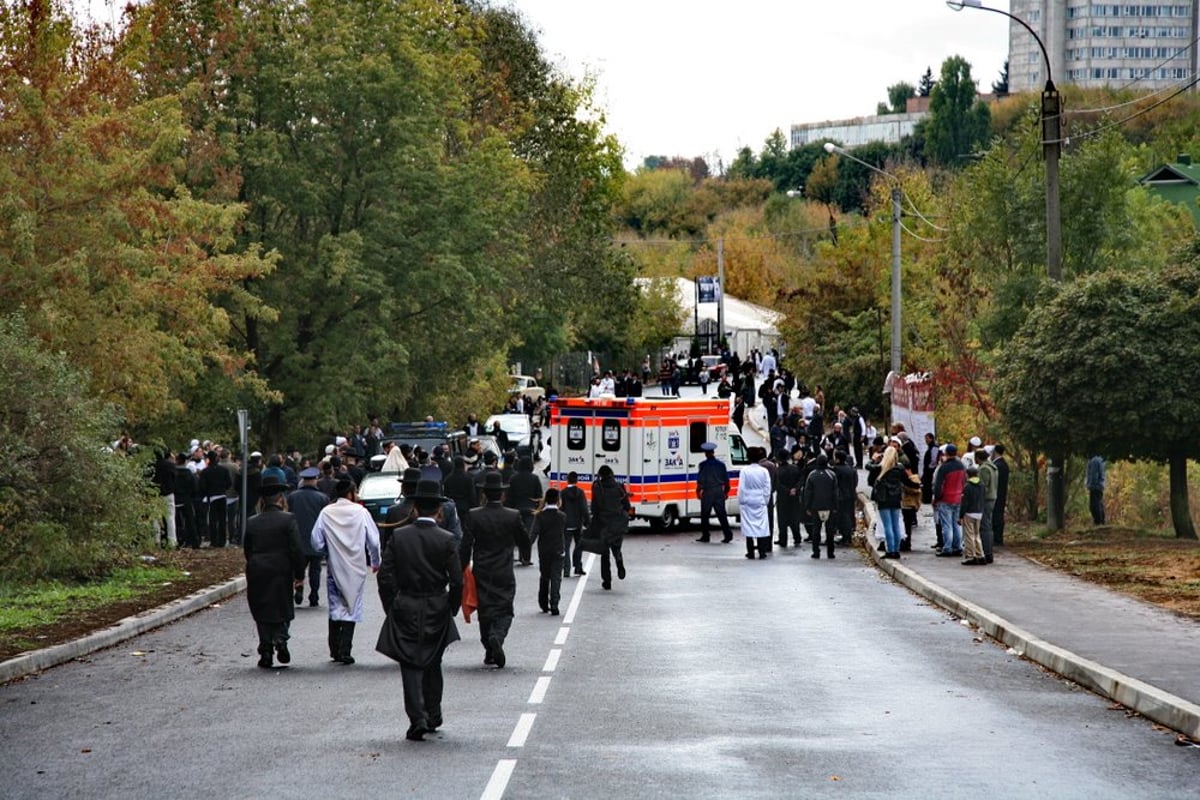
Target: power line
[[1135, 115]]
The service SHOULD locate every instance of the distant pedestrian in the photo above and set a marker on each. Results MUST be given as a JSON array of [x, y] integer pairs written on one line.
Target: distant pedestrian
[[610, 518], [712, 489], [549, 531], [274, 566], [948, 482], [421, 583], [754, 502], [821, 502], [1001, 494], [574, 506], [970, 514], [989, 478], [1096, 480], [347, 535], [487, 546], [306, 503]]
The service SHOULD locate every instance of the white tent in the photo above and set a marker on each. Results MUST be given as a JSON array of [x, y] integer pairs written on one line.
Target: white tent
[[747, 326]]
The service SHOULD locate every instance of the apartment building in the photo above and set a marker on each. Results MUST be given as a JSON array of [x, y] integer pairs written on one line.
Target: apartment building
[[1141, 45]]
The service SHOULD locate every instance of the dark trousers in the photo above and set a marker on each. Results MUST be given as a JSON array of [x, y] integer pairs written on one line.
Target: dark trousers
[[910, 522], [494, 623], [814, 528], [216, 522], [845, 520], [550, 583], [423, 692], [271, 634], [789, 521], [233, 519], [200, 515], [987, 533], [1096, 505], [710, 502], [998, 523], [314, 577], [606, 565], [185, 525], [760, 543], [572, 559], [341, 639], [525, 540]]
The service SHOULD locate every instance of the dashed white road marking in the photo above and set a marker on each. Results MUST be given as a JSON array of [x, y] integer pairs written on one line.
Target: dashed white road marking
[[561, 638], [521, 732], [578, 595], [539, 690], [499, 780], [552, 660]]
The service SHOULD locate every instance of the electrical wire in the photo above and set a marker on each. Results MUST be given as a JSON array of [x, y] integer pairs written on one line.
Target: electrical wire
[[1135, 101], [1120, 122], [918, 236]]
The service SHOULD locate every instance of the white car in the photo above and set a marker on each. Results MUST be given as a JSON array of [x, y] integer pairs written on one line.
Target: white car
[[521, 432], [527, 387]]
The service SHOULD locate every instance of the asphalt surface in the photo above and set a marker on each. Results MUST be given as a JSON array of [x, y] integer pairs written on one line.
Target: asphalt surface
[[702, 675]]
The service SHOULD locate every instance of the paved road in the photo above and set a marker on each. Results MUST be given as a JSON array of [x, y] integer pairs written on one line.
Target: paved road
[[703, 675]]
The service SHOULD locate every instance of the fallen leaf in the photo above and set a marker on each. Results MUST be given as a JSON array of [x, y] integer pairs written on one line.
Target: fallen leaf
[[834, 778], [137, 653], [86, 750]]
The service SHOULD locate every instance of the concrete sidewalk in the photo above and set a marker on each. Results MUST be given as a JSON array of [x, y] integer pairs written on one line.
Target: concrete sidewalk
[[1140, 655]]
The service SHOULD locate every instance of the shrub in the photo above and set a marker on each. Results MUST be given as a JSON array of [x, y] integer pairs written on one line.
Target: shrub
[[69, 508]]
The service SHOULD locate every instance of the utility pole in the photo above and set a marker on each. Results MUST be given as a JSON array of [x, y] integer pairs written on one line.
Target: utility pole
[[896, 223], [720, 291]]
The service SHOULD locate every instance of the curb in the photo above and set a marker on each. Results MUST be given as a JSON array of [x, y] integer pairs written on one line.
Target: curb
[[1149, 701], [38, 660]]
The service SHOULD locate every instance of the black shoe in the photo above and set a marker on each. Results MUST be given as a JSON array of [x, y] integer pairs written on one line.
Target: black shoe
[[281, 652], [554, 611], [763, 555], [945, 554], [545, 609], [579, 573], [312, 602], [749, 555], [831, 555], [347, 659], [416, 732], [816, 555], [433, 724], [607, 585], [972, 562], [299, 596], [265, 662], [727, 541], [881, 547], [498, 655], [956, 552], [704, 539], [566, 574], [893, 555], [620, 570], [987, 559], [488, 658]]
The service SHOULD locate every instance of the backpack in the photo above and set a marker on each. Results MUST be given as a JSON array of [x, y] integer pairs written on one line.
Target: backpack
[[886, 493]]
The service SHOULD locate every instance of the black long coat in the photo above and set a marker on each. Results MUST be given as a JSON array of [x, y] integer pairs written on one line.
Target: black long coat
[[610, 510], [274, 559], [421, 583], [487, 545]]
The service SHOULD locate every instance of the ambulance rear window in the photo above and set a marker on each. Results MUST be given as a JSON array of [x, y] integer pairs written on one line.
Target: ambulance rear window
[[610, 435], [697, 435], [576, 434]]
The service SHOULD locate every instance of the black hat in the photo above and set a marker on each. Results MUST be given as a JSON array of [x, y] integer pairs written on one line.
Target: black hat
[[493, 480], [411, 475], [428, 490], [272, 485]]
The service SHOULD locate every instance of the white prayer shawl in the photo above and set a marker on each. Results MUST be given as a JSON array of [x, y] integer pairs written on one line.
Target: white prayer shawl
[[346, 530], [754, 495], [395, 461]]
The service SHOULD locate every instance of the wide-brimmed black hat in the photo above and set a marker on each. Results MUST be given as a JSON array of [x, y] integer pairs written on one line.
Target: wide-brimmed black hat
[[271, 486], [410, 475], [493, 480], [428, 490]]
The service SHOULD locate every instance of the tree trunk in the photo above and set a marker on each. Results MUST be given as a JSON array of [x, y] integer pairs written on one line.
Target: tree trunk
[[1181, 515]]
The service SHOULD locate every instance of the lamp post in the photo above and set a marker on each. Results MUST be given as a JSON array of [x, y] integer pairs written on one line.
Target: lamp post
[[1051, 147], [830, 147]]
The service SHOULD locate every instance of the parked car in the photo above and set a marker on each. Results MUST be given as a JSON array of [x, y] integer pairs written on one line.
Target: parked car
[[378, 492], [521, 432], [716, 368], [527, 386]]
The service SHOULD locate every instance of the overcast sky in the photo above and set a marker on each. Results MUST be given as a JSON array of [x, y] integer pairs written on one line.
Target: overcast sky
[[686, 78]]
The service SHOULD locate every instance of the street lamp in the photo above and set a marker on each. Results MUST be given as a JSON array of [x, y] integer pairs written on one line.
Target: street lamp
[[1051, 147], [1051, 142], [831, 148]]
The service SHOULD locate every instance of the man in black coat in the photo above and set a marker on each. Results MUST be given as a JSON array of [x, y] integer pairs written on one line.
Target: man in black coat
[[524, 493], [847, 481], [488, 546], [1001, 494], [306, 503], [787, 499], [460, 488], [821, 500], [574, 505], [549, 530], [186, 489], [274, 566], [421, 583]]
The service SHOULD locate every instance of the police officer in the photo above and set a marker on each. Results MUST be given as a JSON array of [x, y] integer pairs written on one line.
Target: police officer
[[712, 487]]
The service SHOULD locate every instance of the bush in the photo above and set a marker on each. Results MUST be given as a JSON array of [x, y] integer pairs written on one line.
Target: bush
[[69, 508]]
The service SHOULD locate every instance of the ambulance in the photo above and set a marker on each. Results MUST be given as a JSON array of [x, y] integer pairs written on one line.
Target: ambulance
[[652, 445]]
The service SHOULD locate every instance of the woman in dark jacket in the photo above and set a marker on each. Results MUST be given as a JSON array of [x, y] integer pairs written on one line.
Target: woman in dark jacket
[[275, 566], [610, 518]]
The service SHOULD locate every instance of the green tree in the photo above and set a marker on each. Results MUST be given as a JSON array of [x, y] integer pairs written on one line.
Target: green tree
[[69, 509], [899, 95], [1000, 85], [1106, 367], [958, 123]]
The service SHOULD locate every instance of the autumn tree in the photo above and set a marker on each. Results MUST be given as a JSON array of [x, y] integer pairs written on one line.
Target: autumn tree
[[1106, 366]]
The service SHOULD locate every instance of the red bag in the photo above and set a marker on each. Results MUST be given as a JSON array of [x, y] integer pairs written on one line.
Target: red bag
[[470, 598]]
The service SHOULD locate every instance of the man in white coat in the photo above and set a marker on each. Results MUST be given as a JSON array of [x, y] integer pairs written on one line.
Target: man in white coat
[[754, 498], [347, 535]]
